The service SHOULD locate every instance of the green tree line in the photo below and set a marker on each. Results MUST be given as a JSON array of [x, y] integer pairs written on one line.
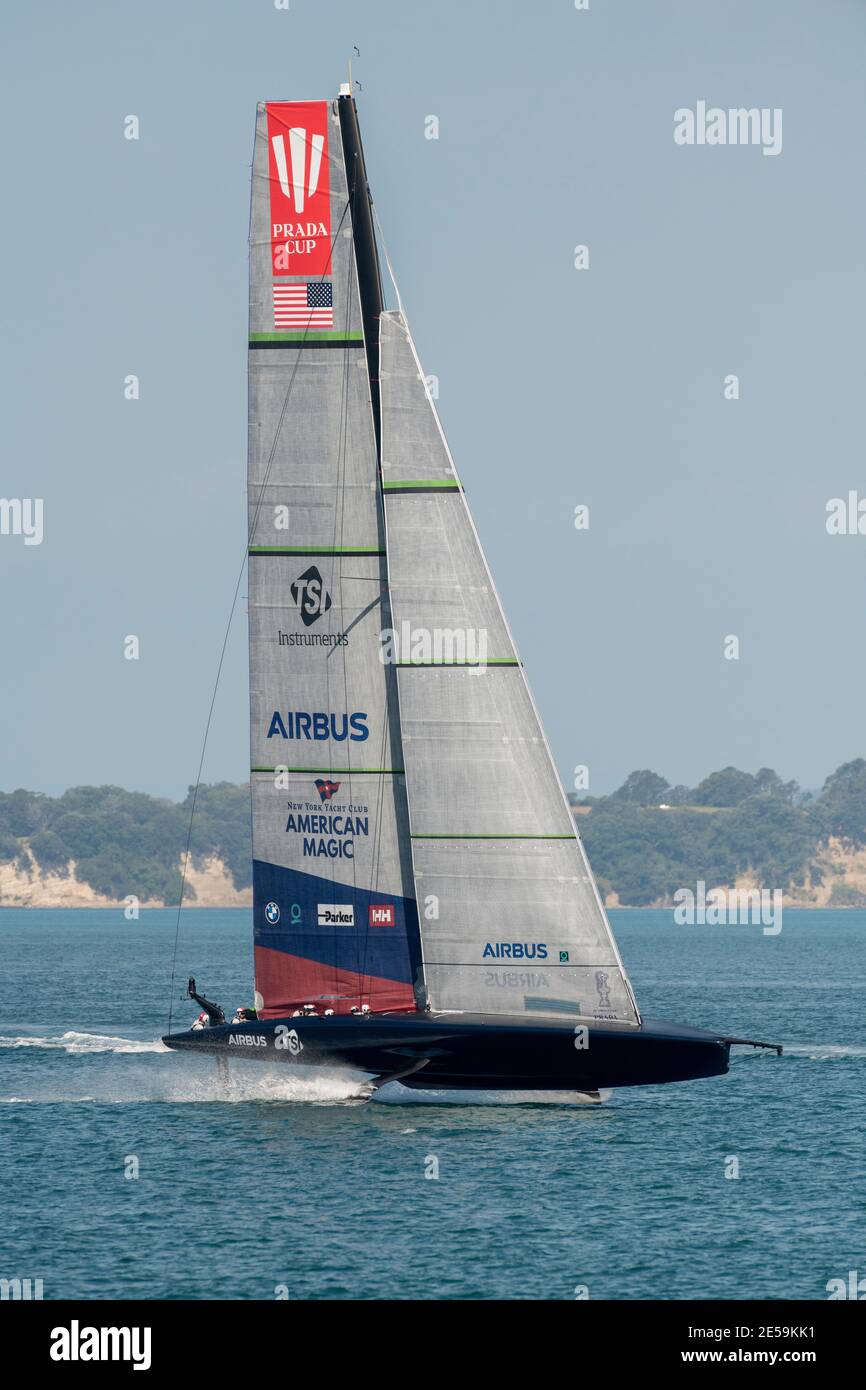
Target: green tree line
[[649, 838], [645, 840], [126, 842]]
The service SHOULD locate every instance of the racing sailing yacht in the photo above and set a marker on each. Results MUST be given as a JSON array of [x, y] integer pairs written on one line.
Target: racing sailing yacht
[[423, 906]]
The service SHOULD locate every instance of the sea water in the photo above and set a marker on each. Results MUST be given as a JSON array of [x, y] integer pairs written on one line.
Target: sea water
[[127, 1171]]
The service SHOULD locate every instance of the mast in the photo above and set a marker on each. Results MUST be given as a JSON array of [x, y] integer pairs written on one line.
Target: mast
[[366, 253]]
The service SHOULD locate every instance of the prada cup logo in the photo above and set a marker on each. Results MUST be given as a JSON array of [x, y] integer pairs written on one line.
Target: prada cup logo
[[602, 985], [299, 143], [299, 187], [311, 596]]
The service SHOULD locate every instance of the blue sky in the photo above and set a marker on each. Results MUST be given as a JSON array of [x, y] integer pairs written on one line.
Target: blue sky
[[557, 387]]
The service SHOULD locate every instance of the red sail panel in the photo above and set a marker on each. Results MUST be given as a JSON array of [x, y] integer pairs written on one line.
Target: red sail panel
[[300, 187], [287, 982]]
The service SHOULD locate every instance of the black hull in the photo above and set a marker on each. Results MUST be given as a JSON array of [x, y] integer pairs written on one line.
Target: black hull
[[463, 1051]]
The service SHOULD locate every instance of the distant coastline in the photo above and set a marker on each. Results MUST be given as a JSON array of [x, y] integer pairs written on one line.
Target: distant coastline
[[735, 831]]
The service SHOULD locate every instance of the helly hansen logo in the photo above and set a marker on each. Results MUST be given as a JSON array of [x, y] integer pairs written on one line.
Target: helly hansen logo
[[381, 914], [299, 187], [311, 596]]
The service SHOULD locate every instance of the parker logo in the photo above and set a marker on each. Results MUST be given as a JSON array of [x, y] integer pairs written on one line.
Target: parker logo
[[300, 193], [311, 596], [381, 914], [335, 914], [326, 789]]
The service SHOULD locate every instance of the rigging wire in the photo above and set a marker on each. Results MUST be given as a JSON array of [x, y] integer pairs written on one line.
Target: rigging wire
[[251, 532], [339, 522], [364, 970]]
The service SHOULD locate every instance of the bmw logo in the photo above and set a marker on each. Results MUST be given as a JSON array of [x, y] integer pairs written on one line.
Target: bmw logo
[[272, 912]]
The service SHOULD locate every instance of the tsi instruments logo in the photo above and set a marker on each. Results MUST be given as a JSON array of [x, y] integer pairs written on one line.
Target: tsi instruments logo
[[313, 601], [77, 1343], [335, 915], [311, 596], [515, 950]]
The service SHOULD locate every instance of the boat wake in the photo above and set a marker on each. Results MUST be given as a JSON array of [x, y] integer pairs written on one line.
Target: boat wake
[[824, 1052], [72, 1042], [395, 1093], [167, 1078]]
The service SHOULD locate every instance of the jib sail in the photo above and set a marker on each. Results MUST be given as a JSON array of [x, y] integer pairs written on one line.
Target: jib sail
[[511, 921]]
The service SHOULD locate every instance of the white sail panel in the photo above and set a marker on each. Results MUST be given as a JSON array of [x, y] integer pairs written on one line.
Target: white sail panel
[[511, 921]]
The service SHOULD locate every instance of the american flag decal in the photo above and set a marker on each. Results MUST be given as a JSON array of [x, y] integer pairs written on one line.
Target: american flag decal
[[309, 305]]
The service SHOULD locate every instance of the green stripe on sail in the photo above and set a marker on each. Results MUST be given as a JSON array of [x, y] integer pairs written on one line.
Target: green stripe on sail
[[313, 550], [342, 771], [493, 837], [491, 661], [440, 484], [317, 335]]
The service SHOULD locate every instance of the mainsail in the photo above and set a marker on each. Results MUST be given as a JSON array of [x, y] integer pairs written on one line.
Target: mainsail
[[334, 912]]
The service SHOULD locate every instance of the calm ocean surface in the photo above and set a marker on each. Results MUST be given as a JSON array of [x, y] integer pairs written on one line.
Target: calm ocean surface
[[283, 1183]]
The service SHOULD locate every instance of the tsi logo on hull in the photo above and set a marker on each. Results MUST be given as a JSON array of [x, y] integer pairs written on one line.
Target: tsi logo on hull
[[335, 914], [515, 950]]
